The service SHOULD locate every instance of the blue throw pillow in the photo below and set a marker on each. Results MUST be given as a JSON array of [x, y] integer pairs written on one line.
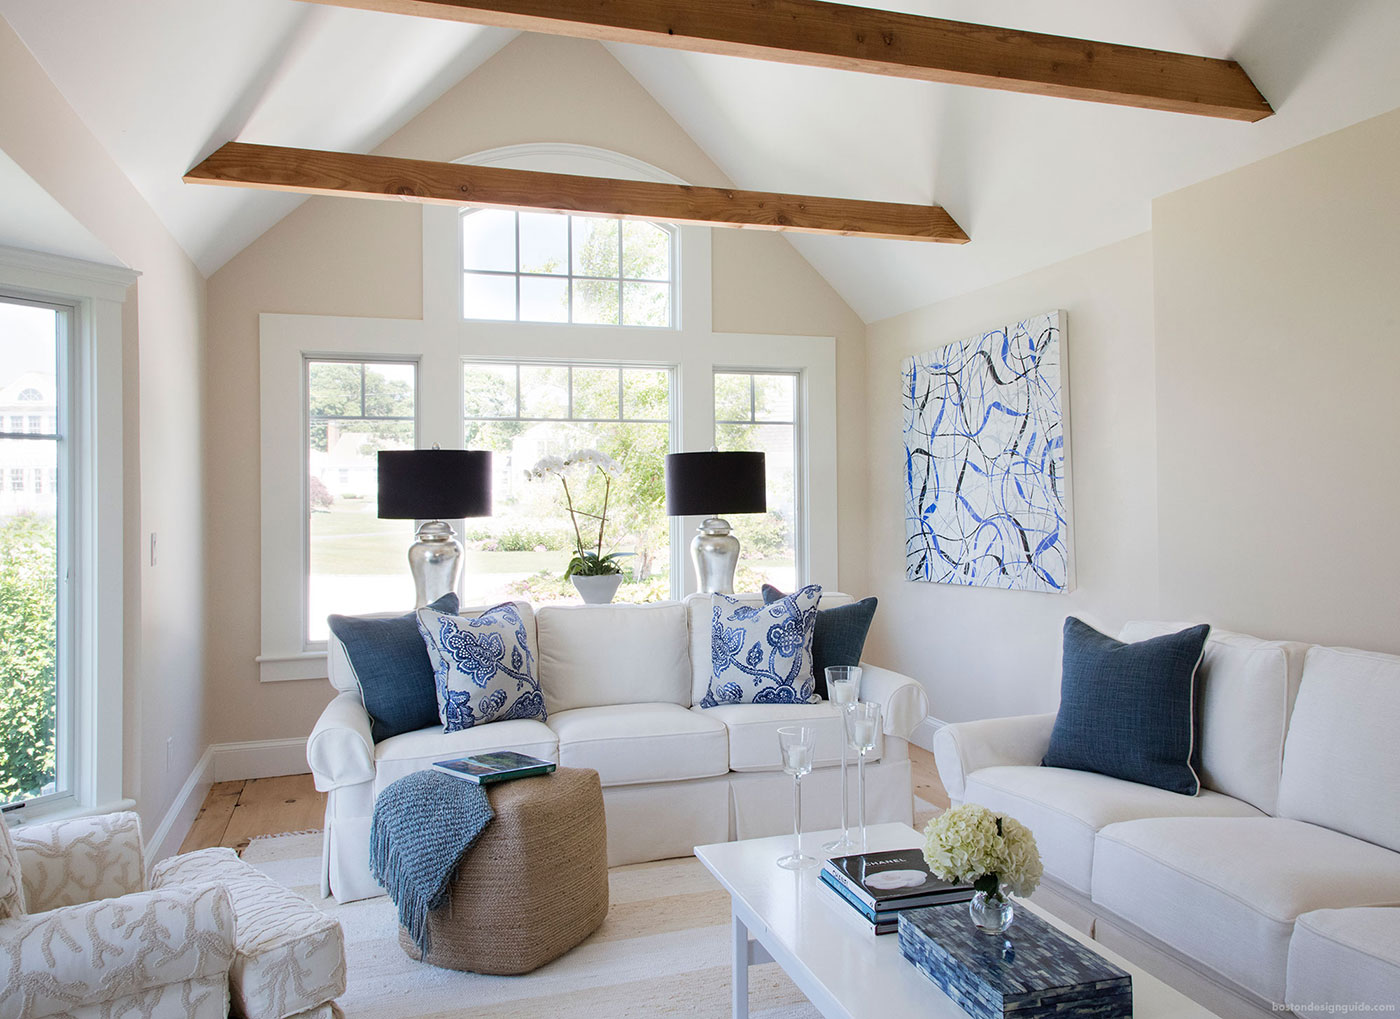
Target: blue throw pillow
[[839, 637], [483, 666], [391, 666], [1128, 710], [762, 654]]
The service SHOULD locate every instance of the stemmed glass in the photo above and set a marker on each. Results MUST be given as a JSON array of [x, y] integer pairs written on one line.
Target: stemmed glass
[[843, 688], [862, 731], [796, 743]]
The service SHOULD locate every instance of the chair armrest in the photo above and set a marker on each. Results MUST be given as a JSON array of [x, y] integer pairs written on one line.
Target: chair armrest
[[62, 961], [80, 860], [965, 747], [341, 749], [903, 702]]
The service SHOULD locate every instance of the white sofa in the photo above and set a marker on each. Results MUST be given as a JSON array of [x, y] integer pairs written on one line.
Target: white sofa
[[1279, 884], [621, 685]]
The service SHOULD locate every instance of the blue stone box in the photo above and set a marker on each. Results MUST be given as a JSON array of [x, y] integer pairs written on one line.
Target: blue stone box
[[1031, 972]]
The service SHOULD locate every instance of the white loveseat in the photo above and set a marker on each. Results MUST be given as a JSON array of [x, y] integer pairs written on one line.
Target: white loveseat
[[621, 685], [1280, 883]]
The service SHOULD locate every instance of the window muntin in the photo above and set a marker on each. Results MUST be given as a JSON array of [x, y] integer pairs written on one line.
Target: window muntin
[[524, 411], [759, 411], [33, 540], [549, 267], [356, 563]]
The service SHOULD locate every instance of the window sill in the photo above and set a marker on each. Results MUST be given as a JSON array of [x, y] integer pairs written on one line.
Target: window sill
[[286, 668], [64, 810]]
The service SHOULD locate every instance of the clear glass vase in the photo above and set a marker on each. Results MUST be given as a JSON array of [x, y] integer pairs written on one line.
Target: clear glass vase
[[992, 912]]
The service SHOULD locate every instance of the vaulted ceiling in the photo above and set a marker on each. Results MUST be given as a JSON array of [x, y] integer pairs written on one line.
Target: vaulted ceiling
[[1033, 180]]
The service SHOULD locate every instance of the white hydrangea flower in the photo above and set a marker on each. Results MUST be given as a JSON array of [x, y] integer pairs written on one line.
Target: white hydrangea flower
[[963, 844]]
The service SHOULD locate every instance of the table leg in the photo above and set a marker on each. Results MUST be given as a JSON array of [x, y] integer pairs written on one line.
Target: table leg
[[740, 979]]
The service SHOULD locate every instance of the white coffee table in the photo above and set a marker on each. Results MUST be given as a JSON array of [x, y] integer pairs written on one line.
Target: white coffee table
[[844, 969]]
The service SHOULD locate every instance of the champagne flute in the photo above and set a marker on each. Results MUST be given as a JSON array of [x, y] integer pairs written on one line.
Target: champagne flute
[[862, 732], [843, 687], [796, 742]]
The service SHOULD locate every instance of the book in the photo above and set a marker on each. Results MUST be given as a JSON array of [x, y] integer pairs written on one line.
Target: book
[[888, 917], [500, 766], [893, 880]]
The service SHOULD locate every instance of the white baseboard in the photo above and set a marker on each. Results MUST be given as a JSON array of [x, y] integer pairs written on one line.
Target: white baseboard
[[262, 758], [175, 825], [922, 736]]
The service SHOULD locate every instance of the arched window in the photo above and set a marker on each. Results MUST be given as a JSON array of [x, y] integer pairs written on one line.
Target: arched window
[[30, 394], [550, 267]]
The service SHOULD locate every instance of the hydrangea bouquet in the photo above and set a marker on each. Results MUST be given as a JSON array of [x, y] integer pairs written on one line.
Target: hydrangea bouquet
[[587, 561], [994, 853]]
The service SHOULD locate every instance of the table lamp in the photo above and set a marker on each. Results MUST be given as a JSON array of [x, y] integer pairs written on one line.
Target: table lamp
[[434, 485], [708, 484]]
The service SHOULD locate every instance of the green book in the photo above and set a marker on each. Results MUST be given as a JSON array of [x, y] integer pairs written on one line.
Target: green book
[[501, 766]]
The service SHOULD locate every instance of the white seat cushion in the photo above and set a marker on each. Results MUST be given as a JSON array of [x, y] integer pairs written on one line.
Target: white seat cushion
[[753, 733], [1064, 810], [595, 655], [1339, 958], [628, 744], [402, 755], [1226, 891]]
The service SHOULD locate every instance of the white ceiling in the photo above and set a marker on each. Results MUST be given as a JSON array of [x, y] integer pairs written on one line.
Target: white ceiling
[[1033, 180]]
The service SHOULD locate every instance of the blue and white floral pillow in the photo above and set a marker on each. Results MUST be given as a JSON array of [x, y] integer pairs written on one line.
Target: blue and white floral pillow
[[762, 654], [482, 665]]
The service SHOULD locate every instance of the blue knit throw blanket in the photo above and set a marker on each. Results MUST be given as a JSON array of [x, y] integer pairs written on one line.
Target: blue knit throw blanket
[[423, 824]]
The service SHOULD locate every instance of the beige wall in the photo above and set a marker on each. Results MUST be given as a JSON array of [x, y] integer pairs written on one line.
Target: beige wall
[[982, 652], [163, 388], [348, 257], [1278, 391]]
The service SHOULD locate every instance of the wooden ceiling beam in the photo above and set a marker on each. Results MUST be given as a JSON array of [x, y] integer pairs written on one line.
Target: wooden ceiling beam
[[314, 172], [831, 35]]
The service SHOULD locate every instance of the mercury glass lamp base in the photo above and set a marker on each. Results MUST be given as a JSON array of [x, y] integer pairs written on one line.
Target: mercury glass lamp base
[[715, 552], [435, 560]]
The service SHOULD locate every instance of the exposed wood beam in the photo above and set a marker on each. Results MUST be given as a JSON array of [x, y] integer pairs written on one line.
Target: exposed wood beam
[[313, 172], [849, 38]]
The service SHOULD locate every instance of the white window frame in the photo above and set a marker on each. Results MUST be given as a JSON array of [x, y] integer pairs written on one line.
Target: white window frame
[[90, 568], [442, 339]]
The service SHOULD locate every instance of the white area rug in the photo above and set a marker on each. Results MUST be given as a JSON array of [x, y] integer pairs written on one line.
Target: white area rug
[[663, 951]]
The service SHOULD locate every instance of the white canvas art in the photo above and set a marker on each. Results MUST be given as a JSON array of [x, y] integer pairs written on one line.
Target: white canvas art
[[986, 460]]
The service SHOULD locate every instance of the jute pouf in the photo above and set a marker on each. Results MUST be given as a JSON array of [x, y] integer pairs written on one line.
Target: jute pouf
[[534, 885]]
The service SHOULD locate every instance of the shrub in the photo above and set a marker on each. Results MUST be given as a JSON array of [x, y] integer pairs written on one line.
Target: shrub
[[321, 497], [28, 615]]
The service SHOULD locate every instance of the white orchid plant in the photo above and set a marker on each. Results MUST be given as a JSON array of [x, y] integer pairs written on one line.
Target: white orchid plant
[[587, 561]]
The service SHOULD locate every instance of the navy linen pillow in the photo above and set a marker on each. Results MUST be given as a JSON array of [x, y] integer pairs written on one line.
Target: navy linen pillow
[[1128, 710], [839, 637], [393, 669]]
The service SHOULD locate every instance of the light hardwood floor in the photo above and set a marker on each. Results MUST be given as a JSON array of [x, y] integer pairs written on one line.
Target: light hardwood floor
[[234, 813]]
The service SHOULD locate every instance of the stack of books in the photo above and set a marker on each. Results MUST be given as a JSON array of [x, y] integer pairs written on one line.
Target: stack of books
[[880, 886]]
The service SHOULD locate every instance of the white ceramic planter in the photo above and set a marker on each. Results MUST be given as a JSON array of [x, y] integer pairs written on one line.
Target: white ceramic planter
[[597, 590]]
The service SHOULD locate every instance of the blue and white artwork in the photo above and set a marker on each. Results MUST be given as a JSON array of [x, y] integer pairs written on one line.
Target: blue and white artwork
[[985, 460]]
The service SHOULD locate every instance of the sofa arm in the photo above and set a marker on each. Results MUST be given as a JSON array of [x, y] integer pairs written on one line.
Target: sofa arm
[[80, 860], [965, 747], [341, 749], [70, 959], [903, 702]]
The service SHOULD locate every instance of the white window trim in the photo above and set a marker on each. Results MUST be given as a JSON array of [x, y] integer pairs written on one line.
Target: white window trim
[[442, 339], [96, 539]]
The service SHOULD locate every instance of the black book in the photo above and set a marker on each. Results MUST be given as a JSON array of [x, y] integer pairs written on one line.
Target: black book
[[893, 880]]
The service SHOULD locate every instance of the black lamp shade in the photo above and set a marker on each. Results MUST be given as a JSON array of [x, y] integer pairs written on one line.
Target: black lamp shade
[[434, 484], [708, 484]]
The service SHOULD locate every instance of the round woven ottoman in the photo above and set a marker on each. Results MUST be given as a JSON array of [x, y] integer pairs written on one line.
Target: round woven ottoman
[[534, 885]]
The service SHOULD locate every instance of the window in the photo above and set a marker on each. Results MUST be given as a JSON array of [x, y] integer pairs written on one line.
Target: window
[[32, 540], [525, 411], [36, 423], [546, 267], [355, 561], [758, 411]]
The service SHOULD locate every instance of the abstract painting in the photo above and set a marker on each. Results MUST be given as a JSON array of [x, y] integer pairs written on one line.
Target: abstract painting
[[985, 460]]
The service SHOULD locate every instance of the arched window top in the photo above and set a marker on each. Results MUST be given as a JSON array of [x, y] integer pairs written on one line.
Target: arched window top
[[30, 394], [552, 267]]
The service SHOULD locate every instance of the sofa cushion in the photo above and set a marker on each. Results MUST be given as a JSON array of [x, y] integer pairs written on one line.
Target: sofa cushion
[[414, 751], [700, 618], [391, 667], [1226, 891], [753, 733], [630, 744], [762, 654], [1244, 692], [839, 636], [1341, 958], [485, 666], [1065, 809], [1340, 764], [593, 655], [1127, 710]]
